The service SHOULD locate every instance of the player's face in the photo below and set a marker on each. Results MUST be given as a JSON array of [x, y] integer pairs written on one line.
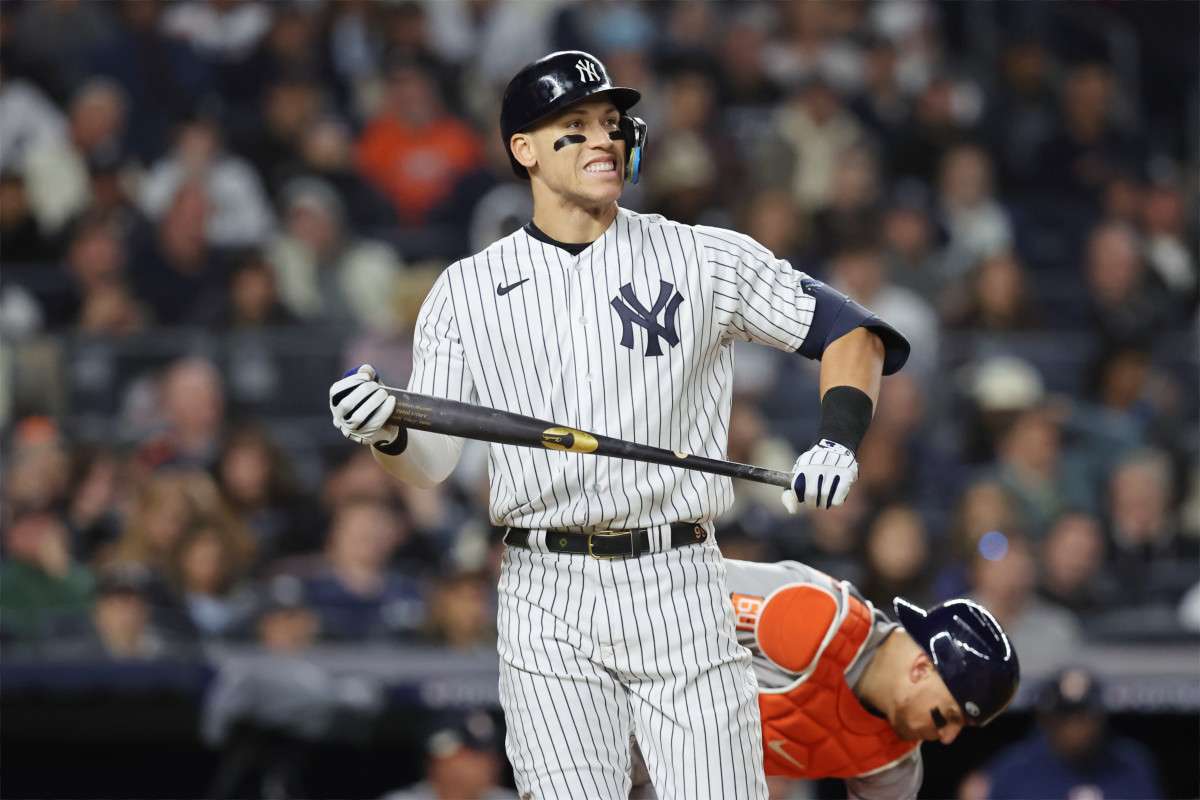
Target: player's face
[[930, 713], [577, 157]]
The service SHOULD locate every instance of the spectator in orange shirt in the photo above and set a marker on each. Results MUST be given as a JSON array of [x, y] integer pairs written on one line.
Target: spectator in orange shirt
[[414, 149]]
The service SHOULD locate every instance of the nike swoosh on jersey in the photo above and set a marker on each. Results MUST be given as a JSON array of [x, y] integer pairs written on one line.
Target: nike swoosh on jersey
[[502, 290], [776, 746]]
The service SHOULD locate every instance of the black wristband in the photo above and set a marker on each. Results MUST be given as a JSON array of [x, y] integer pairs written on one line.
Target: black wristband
[[396, 446], [845, 416]]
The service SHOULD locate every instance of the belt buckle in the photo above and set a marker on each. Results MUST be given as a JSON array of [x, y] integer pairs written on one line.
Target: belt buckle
[[607, 533]]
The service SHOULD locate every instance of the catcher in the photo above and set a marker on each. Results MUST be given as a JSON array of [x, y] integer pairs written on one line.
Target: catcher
[[846, 693]]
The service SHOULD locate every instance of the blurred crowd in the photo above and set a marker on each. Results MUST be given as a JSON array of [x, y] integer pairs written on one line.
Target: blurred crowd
[[1015, 203]]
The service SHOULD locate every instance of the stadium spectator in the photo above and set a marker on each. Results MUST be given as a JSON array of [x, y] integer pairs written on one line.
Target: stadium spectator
[[175, 270], [853, 212], [52, 41], [973, 223], [120, 626], [1071, 561], [1165, 243], [898, 556], [1088, 149], [270, 138], [1149, 560], [935, 127], [56, 167], [27, 116], [1128, 306], [1072, 753], [191, 405], [414, 149], [1003, 578], [218, 31], [993, 298], [39, 579], [819, 130], [460, 615], [998, 389], [882, 103], [1032, 464], [462, 760], [163, 78], [1023, 113], [251, 299], [96, 265], [907, 231], [352, 588], [21, 236], [96, 496], [241, 214], [207, 567], [257, 479], [326, 152], [859, 270], [324, 272], [905, 458], [285, 623]]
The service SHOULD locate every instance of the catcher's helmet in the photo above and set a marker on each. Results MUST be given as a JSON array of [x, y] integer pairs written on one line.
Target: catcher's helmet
[[970, 651], [556, 81]]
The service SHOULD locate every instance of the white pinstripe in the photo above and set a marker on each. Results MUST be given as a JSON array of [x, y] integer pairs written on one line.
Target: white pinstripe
[[593, 651]]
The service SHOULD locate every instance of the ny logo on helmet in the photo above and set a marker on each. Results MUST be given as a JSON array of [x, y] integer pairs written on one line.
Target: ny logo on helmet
[[632, 312], [587, 71]]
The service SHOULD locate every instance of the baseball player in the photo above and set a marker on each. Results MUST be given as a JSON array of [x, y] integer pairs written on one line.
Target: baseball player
[[846, 693], [613, 618]]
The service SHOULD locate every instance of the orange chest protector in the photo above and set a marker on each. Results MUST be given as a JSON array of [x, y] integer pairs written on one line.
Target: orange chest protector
[[816, 727]]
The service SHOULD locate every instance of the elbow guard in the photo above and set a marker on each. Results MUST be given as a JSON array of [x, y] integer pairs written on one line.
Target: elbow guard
[[836, 315]]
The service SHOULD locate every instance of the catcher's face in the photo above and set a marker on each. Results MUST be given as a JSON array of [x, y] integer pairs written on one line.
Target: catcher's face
[[927, 711], [574, 155]]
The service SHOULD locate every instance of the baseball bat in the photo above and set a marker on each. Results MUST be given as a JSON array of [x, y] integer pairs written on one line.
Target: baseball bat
[[425, 413]]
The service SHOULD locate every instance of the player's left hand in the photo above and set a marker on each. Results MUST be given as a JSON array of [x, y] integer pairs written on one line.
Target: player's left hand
[[361, 406], [822, 477]]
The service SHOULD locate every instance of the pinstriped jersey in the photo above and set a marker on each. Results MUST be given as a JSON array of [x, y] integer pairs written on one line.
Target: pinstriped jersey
[[632, 338]]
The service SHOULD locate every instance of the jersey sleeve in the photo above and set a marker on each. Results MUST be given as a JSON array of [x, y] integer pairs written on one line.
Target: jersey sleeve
[[900, 782], [759, 296], [439, 361]]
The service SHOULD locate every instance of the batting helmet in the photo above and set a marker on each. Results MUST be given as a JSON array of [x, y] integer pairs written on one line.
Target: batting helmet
[[556, 81], [970, 651]]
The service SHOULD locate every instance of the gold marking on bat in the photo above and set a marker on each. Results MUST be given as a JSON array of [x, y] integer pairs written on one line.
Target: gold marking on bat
[[569, 439], [680, 455]]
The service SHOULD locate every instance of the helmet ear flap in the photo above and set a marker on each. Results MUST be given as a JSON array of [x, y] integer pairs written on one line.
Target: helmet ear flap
[[633, 130]]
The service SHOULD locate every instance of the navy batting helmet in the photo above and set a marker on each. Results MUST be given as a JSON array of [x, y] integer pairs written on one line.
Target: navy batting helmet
[[970, 651], [556, 81]]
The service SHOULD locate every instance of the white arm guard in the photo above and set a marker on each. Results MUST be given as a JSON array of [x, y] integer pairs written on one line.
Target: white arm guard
[[428, 459]]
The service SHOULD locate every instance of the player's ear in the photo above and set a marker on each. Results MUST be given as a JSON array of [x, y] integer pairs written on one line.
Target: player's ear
[[920, 668], [522, 149]]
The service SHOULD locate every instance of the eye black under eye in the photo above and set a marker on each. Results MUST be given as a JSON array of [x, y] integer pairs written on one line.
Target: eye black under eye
[[938, 720]]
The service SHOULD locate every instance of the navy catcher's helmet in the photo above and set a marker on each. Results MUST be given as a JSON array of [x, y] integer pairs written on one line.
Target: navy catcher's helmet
[[556, 81], [970, 651]]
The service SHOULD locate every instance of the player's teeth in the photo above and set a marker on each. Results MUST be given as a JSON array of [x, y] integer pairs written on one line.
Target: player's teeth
[[605, 167]]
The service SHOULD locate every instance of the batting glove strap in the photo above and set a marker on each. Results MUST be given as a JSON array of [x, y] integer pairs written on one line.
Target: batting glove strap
[[821, 477], [361, 406]]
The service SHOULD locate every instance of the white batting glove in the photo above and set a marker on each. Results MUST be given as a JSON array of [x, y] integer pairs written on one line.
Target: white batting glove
[[361, 407], [822, 477]]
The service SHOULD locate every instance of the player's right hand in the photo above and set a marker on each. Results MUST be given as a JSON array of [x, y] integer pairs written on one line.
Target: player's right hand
[[822, 477], [361, 406]]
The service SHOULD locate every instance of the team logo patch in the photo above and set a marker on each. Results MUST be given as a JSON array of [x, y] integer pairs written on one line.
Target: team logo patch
[[972, 709], [587, 71], [632, 312]]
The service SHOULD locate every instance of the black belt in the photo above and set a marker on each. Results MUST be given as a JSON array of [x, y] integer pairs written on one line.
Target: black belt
[[607, 544]]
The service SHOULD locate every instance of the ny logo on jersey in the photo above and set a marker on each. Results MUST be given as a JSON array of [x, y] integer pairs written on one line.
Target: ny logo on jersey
[[587, 71], [632, 312]]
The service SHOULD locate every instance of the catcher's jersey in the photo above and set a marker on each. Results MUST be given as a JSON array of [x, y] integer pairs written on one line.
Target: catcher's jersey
[[632, 338], [749, 585]]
